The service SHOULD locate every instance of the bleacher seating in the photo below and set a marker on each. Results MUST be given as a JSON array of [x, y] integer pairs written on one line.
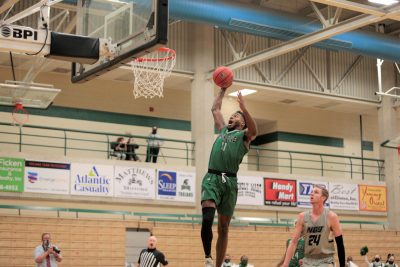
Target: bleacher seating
[[101, 242]]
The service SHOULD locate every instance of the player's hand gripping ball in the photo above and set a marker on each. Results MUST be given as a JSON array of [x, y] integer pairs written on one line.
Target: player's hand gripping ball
[[223, 77]]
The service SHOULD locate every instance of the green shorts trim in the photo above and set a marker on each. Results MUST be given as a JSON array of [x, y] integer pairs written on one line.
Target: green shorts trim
[[222, 191]]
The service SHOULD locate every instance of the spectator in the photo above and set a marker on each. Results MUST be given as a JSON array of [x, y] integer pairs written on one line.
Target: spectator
[[153, 146], [227, 261], [244, 262], [390, 261], [376, 262], [150, 256], [388, 256], [47, 254], [121, 148], [130, 153], [350, 262]]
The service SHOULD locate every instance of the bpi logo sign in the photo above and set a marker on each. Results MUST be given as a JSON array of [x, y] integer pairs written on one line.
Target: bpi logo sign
[[19, 33], [166, 183]]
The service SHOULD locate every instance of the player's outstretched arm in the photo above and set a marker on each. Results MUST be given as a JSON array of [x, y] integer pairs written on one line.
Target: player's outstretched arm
[[337, 231], [216, 110], [295, 238], [251, 131]]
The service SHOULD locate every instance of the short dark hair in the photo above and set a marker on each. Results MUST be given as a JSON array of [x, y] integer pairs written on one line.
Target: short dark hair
[[244, 118]]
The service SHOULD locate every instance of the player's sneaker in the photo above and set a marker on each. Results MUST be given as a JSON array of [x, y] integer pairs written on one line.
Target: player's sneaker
[[208, 262]]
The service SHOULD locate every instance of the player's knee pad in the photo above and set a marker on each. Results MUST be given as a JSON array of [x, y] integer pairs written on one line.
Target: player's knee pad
[[208, 216]]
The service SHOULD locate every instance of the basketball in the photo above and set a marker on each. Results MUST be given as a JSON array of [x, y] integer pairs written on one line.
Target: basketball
[[223, 77]]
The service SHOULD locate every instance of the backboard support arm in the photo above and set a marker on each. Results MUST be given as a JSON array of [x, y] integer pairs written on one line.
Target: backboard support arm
[[393, 92]]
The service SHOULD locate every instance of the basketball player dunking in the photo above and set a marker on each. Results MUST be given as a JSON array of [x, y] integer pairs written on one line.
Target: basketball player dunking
[[219, 186], [316, 226]]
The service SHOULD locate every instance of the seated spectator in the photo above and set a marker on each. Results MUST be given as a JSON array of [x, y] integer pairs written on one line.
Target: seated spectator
[[121, 148], [130, 153], [227, 261], [390, 261], [244, 262], [376, 262], [350, 262]]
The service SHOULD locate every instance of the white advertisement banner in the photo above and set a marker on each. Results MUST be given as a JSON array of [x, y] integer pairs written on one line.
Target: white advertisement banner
[[186, 183], [304, 189], [250, 191], [343, 196], [92, 179], [177, 186], [47, 177], [134, 182]]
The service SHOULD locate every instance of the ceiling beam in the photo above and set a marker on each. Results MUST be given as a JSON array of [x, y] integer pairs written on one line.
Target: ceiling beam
[[308, 10], [320, 16], [366, 9], [312, 38], [7, 5], [30, 10]]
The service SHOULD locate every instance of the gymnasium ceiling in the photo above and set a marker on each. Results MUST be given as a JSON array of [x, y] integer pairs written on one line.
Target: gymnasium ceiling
[[182, 81]]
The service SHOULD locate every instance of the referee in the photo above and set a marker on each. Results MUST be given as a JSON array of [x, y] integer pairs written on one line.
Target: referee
[[150, 256]]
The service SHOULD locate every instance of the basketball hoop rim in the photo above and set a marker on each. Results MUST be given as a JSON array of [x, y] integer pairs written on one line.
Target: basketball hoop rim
[[161, 49], [20, 107]]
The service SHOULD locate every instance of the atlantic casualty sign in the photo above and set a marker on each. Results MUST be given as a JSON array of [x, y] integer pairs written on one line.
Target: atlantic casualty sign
[[92, 179]]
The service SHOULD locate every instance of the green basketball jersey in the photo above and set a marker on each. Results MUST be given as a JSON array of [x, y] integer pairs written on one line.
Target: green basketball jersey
[[298, 254], [228, 151]]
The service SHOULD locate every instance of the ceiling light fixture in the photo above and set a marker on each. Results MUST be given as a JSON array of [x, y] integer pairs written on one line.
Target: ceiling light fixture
[[384, 2], [244, 92]]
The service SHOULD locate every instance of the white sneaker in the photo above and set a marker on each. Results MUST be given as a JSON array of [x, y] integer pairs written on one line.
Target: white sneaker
[[208, 262]]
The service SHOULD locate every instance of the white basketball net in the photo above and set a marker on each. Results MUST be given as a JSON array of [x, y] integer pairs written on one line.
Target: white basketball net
[[150, 72]]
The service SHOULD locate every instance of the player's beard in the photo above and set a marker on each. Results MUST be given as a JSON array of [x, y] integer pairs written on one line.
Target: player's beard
[[232, 124]]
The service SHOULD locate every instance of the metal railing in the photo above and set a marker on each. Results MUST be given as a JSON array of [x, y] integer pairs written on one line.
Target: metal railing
[[298, 162], [69, 142], [170, 217]]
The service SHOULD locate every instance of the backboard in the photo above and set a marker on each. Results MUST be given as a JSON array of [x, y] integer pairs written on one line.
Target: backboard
[[33, 95], [133, 28]]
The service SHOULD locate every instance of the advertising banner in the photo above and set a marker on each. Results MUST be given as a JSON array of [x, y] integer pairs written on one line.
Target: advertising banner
[[186, 186], [372, 198], [12, 174], [304, 189], [343, 196], [178, 186], [92, 179], [134, 182], [280, 192], [47, 177], [250, 191]]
